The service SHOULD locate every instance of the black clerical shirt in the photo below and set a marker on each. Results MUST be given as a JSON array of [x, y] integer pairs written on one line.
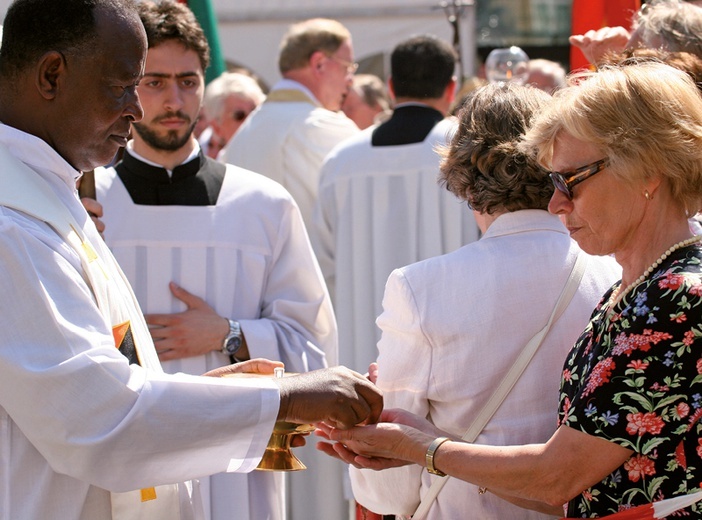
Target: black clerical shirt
[[195, 183], [408, 125]]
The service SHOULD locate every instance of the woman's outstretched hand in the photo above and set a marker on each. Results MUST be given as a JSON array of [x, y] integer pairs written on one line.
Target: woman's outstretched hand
[[400, 438]]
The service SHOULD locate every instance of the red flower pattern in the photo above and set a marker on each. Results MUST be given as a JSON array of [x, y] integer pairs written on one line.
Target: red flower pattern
[[566, 409], [633, 377], [680, 455], [600, 375], [628, 343], [639, 466], [683, 410], [671, 281], [642, 423], [637, 364], [567, 375], [694, 418], [688, 338]]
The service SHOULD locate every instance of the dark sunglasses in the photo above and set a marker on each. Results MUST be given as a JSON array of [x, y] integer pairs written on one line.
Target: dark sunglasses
[[564, 181], [240, 115]]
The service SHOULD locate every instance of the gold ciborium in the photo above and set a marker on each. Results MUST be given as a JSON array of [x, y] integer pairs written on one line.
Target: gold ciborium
[[278, 455]]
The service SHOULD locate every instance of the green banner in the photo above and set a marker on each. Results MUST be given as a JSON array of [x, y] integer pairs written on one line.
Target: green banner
[[204, 12]]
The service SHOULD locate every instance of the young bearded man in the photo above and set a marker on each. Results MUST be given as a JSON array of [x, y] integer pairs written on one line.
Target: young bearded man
[[218, 256]]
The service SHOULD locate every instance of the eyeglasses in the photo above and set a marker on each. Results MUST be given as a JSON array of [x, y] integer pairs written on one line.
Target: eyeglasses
[[351, 67], [564, 181], [240, 115]]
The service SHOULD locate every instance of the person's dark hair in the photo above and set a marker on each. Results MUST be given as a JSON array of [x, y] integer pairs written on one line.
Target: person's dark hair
[[422, 67], [484, 164], [167, 20], [34, 27]]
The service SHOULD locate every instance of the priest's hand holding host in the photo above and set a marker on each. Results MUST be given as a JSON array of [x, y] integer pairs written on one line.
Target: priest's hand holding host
[[336, 396]]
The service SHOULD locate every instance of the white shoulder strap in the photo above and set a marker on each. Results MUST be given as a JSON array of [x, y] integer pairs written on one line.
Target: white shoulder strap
[[512, 376]]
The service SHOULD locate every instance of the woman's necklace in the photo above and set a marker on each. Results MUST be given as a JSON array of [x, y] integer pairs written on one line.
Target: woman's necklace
[[619, 295]]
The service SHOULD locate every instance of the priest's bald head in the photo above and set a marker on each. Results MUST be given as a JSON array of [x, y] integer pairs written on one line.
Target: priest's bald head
[[318, 53]]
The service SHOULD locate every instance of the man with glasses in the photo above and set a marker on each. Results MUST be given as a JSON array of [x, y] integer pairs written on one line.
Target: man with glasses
[[182, 224], [300, 121]]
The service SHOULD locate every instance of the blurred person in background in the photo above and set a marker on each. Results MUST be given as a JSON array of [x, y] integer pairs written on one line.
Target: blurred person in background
[[229, 100], [368, 101]]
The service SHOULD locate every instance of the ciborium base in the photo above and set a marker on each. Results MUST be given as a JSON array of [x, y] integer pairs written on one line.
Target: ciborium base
[[278, 455]]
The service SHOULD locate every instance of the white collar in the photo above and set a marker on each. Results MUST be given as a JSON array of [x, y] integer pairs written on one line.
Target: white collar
[[38, 154]]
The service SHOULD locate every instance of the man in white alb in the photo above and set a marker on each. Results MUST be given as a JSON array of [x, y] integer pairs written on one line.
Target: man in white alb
[[300, 121], [286, 138], [380, 206], [90, 426], [230, 236]]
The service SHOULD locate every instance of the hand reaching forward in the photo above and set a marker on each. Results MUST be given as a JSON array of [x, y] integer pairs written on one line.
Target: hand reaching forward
[[378, 447], [195, 331], [595, 44], [252, 366], [256, 366], [337, 396]]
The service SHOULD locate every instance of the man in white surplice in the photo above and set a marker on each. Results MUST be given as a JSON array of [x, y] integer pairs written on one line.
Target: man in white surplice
[[287, 137], [232, 237], [380, 206], [86, 413]]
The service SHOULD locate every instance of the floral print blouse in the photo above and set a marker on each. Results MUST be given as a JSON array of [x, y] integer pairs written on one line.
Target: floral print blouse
[[634, 377]]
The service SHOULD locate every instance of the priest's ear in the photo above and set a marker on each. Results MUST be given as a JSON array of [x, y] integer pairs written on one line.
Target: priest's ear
[[317, 60], [49, 69]]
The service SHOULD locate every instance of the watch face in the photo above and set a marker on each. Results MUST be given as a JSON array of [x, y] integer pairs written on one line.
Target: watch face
[[233, 345], [234, 339]]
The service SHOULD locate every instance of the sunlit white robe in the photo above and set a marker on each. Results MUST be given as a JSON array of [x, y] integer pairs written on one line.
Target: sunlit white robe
[[381, 208], [287, 141], [249, 257], [76, 420]]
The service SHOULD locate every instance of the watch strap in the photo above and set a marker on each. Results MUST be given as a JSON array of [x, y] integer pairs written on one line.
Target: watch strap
[[233, 340]]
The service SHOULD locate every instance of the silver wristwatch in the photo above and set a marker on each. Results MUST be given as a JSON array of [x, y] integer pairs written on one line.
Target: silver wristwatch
[[233, 340]]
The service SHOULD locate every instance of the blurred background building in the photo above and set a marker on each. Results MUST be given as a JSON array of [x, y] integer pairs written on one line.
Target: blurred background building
[[250, 30]]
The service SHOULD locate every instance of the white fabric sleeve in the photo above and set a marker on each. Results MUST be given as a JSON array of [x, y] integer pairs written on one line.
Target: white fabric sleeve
[[297, 323], [89, 413]]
